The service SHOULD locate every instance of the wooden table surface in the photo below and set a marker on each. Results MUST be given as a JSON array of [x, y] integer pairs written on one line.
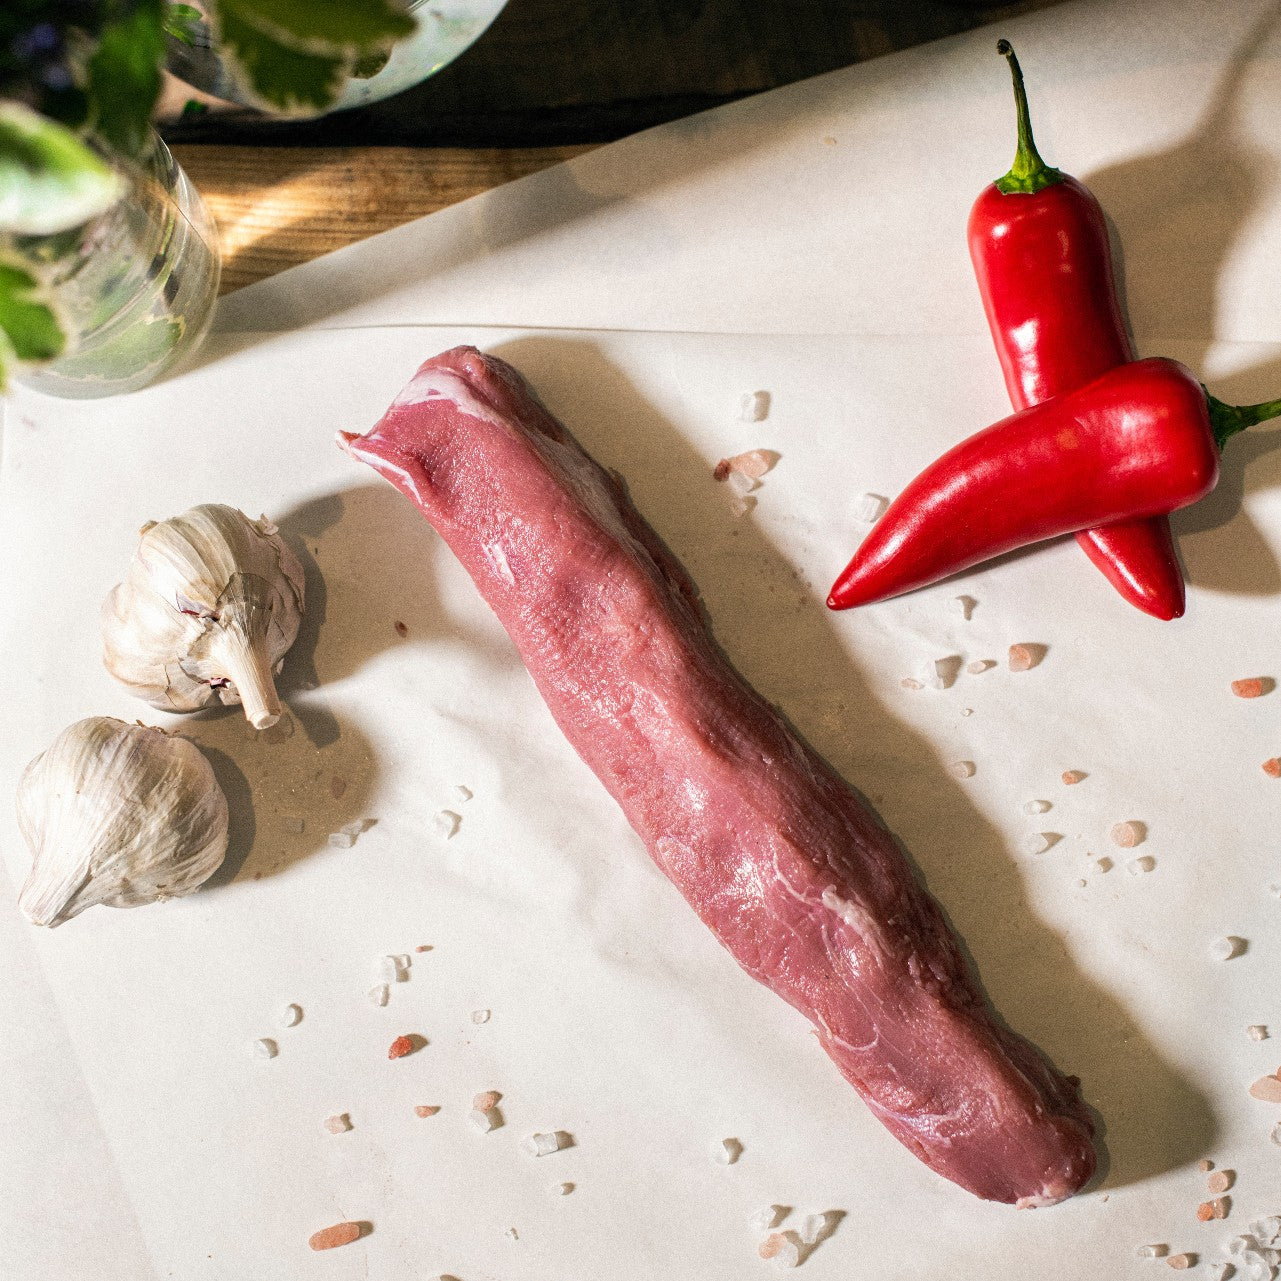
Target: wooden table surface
[[279, 206]]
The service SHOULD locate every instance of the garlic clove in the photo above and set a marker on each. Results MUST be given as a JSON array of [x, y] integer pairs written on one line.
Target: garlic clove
[[117, 814], [211, 604]]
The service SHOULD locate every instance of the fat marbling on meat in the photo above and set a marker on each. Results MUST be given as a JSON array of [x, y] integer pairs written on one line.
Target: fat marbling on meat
[[781, 859]]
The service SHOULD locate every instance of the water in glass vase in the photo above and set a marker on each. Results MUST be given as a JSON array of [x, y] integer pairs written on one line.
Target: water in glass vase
[[134, 289]]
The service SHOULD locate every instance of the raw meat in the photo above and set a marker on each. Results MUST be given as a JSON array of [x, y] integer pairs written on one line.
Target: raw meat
[[774, 851]]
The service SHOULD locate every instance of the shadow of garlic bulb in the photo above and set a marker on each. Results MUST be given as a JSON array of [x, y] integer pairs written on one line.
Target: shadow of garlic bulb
[[211, 604], [117, 814]]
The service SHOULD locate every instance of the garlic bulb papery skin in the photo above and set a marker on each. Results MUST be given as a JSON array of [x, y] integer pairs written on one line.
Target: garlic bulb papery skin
[[211, 604], [117, 814]]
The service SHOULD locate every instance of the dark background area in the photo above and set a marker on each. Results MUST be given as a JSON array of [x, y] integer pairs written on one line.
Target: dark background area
[[553, 72]]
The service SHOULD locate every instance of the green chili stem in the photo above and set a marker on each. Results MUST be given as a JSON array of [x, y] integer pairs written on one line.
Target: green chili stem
[[1227, 420], [1029, 173]]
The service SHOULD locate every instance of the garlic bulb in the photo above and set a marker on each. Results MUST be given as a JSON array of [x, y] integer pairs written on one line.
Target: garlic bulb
[[117, 814], [211, 604]]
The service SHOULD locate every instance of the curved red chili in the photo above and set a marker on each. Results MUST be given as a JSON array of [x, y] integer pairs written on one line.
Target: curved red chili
[[1039, 245], [1141, 440]]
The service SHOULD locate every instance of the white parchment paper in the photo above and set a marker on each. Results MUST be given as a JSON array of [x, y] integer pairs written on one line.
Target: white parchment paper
[[143, 1135]]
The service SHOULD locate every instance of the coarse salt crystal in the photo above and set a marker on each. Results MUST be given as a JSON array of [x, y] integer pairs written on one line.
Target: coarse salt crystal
[[740, 505], [869, 508], [546, 1144], [1253, 686], [1023, 658], [395, 969], [1227, 948], [379, 994], [1152, 1251], [1080, 885], [341, 840], [425, 1110], [485, 1119], [727, 1151], [357, 826], [266, 1048], [910, 682], [332, 1237], [1205, 1165], [1257, 1031], [1072, 776], [401, 1046], [741, 483], [338, 1124], [563, 1189], [1137, 866], [783, 1247], [1220, 1181], [1267, 1089], [464, 794], [942, 672], [480, 1016], [291, 824], [1181, 1262], [962, 769], [1104, 864], [337, 786], [291, 1015], [1037, 807], [1039, 842], [963, 605], [967, 711], [753, 406], [980, 665], [755, 463], [1128, 834], [768, 1217], [816, 1228], [446, 823]]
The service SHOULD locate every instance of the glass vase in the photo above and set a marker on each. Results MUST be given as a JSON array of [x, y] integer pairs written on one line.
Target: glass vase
[[134, 288]]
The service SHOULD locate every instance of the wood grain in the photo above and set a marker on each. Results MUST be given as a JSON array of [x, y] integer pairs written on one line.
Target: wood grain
[[279, 206]]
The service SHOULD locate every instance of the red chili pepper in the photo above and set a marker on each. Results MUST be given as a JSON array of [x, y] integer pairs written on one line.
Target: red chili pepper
[[1141, 440], [1040, 250]]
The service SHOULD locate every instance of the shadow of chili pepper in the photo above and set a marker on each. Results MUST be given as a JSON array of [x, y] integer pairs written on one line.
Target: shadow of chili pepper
[[1175, 217]]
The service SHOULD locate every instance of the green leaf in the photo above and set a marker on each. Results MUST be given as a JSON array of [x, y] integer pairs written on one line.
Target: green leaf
[[283, 78], [29, 329], [323, 26], [49, 180], [123, 80], [184, 23]]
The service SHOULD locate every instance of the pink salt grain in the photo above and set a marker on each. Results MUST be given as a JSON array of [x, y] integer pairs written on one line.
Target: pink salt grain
[[1205, 1164], [1220, 1181], [1072, 776], [1267, 1089], [721, 470], [337, 786], [754, 463], [1253, 686], [1272, 767], [486, 1100], [1024, 657], [332, 1237], [426, 1110], [401, 1046], [1129, 834], [771, 1245], [1181, 1262]]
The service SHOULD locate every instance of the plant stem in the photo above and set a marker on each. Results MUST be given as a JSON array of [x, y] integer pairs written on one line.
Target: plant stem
[[1029, 173], [1227, 420]]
